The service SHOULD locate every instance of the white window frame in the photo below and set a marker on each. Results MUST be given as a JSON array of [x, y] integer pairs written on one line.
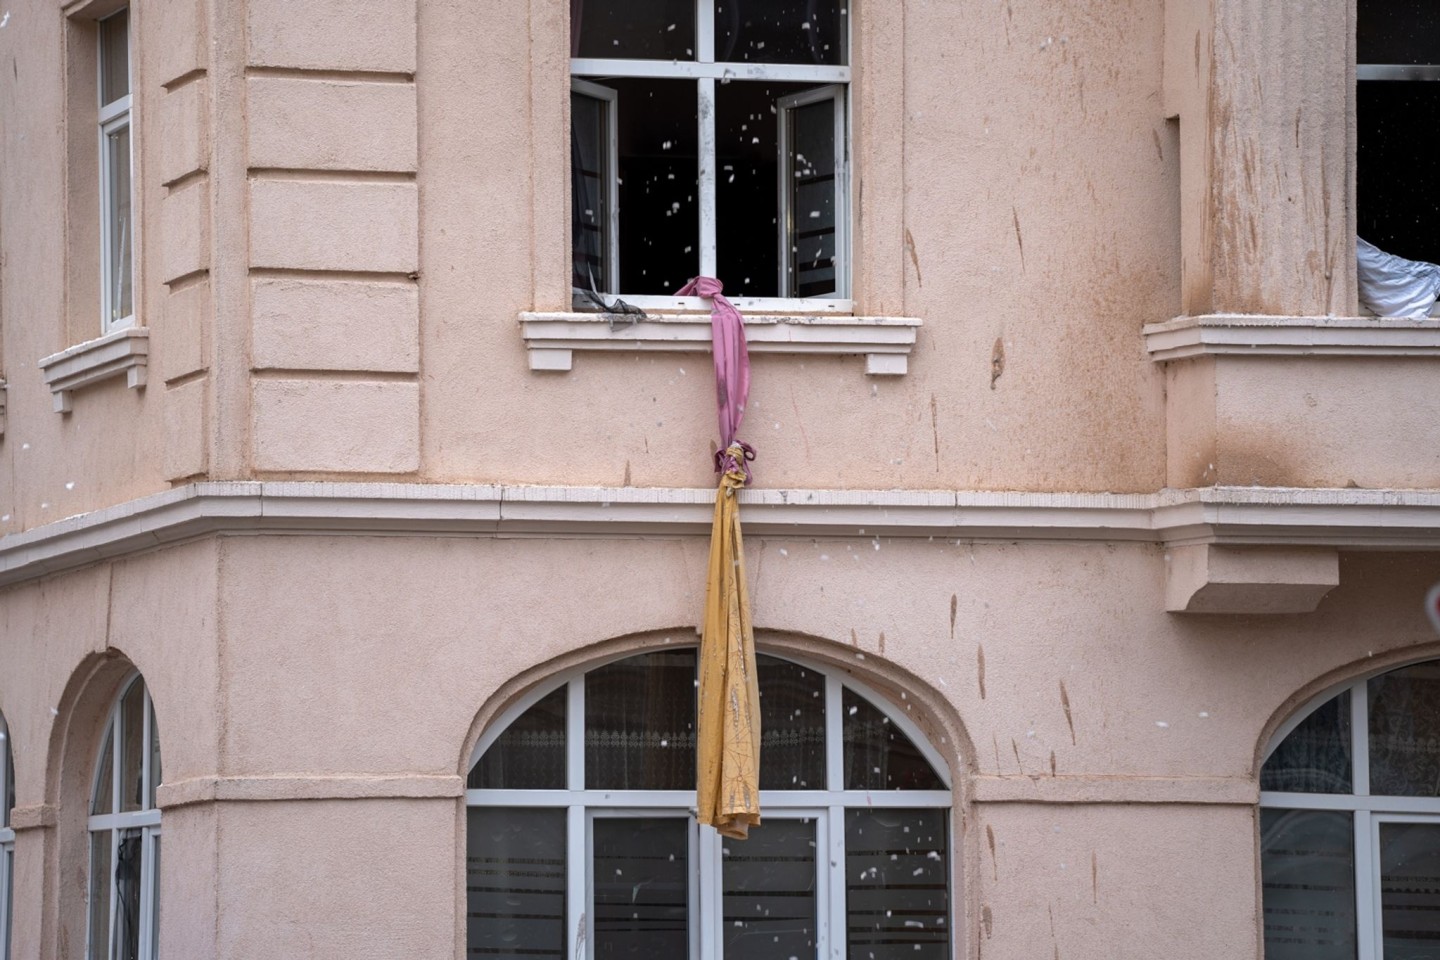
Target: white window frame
[[826, 807], [7, 841], [1368, 811], [114, 116], [706, 71], [116, 824], [610, 98], [785, 108]]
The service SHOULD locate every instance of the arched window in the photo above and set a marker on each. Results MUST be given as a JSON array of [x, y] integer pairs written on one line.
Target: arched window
[[582, 838], [1350, 824], [7, 837], [125, 833]]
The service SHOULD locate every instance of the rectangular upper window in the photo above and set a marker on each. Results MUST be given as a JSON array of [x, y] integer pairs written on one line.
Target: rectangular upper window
[[117, 230], [710, 138]]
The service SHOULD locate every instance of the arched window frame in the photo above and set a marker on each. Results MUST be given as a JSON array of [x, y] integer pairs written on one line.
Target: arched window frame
[[7, 838], [108, 829], [826, 806], [1369, 812]]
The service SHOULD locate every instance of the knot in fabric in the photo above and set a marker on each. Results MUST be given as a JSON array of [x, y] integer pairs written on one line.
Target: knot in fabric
[[734, 461]]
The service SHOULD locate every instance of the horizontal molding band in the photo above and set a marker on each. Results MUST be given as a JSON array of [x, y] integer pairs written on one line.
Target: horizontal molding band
[[1127, 790], [223, 789], [1247, 335], [1264, 516]]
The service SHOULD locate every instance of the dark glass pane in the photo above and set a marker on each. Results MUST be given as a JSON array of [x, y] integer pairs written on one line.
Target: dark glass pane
[[99, 891], [128, 871], [1410, 890], [155, 768], [104, 799], [1397, 31], [659, 206], [633, 29], [114, 57], [640, 723], [1307, 869], [811, 171], [781, 31], [897, 867], [769, 892], [590, 176], [1315, 756], [1405, 732], [1397, 189], [120, 237], [792, 725], [530, 754], [514, 883], [132, 747], [878, 755], [642, 896]]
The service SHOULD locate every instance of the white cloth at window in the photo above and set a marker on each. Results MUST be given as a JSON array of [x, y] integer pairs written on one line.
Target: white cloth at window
[[1392, 286]]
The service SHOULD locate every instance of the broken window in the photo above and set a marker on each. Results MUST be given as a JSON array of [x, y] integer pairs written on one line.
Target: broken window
[[711, 139]]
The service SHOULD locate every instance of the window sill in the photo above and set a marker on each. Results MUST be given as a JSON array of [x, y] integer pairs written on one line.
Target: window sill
[[122, 353], [552, 338], [1267, 336]]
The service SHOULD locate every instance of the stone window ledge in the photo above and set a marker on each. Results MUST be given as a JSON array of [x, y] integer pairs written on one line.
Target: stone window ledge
[[122, 353], [551, 339], [1268, 336]]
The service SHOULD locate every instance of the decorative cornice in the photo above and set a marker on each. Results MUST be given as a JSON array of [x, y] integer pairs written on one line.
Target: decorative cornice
[[1341, 518], [1245, 335], [124, 353], [552, 338]]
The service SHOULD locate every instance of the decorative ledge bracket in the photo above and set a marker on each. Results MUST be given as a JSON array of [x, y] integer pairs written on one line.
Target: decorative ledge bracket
[[1266, 336], [552, 338], [122, 353], [1209, 578]]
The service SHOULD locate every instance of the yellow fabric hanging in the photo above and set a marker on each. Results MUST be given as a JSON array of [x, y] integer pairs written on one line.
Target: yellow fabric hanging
[[729, 706]]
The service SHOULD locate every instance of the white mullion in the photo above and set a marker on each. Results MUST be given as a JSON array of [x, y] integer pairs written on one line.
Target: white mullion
[[1360, 738], [577, 882], [695, 70], [705, 31], [784, 183], [574, 735], [124, 821], [114, 838], [586, 870], [842, 195], [706, 175], [1367, 887], [145, 729], [115, 109], [704, 899], [834, 735], [147, 877], [835, 874]]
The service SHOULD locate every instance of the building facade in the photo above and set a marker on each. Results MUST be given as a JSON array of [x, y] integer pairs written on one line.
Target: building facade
[[1090, 517]]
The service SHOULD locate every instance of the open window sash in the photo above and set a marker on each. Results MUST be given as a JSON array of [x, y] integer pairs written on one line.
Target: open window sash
[[814, 193], [594, 188]]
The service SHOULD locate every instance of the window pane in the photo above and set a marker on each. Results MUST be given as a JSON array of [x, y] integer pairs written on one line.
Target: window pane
[[128, 863], [590, 175], [633, 29], [530, 754], [120, 230], [1410, 890], [132, 746], [792, 725], [781, 31], [1307, 868], [640, 723], [1315, 756], [155, 770], [747, 219], [878, 755], [659, 211], [104, 799], [896, 874], [1394, 186], [114, 57], [642, 895], [1405, 732], [1397, 31], [100, 895], [769, 892], [810, 181], [515, 883]]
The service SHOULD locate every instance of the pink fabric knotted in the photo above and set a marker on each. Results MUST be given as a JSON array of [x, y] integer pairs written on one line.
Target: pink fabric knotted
[[732, 370]]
